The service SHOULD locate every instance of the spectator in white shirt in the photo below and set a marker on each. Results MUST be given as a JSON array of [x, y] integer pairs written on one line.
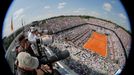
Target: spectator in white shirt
[[32, 36]]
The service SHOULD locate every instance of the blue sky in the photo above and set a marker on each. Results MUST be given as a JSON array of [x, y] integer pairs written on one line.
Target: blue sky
[[31, 10]]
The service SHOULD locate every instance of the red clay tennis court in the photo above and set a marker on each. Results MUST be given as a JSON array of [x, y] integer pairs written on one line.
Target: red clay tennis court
[[97, 43]]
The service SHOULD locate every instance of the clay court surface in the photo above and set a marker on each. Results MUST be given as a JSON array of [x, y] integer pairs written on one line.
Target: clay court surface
[[97, 43]]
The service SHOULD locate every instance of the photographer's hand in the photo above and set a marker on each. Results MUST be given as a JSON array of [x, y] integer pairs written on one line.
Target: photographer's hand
[[46, 68]]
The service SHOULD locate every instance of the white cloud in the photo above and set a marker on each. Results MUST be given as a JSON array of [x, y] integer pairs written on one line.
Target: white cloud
[[94, 13], [105, 13], [51, 15], [47, 7], [83, 11], [18, 13], [79, 10], [61, 5], [107, 7], [122, 16]]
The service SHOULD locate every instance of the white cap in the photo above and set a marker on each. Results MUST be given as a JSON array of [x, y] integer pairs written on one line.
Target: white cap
[[33, 29], [27, 61]]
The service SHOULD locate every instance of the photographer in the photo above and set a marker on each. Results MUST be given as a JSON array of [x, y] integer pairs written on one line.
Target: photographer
[[32, 37], [29, 65], [25, 46]]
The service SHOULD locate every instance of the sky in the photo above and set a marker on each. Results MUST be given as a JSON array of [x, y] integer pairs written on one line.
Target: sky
[[32, 10]]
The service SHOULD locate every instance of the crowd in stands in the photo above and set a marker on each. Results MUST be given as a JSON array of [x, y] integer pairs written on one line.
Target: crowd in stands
[[101, 23], [125, 38], [78, 37], [63, 23], [86, 58]]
